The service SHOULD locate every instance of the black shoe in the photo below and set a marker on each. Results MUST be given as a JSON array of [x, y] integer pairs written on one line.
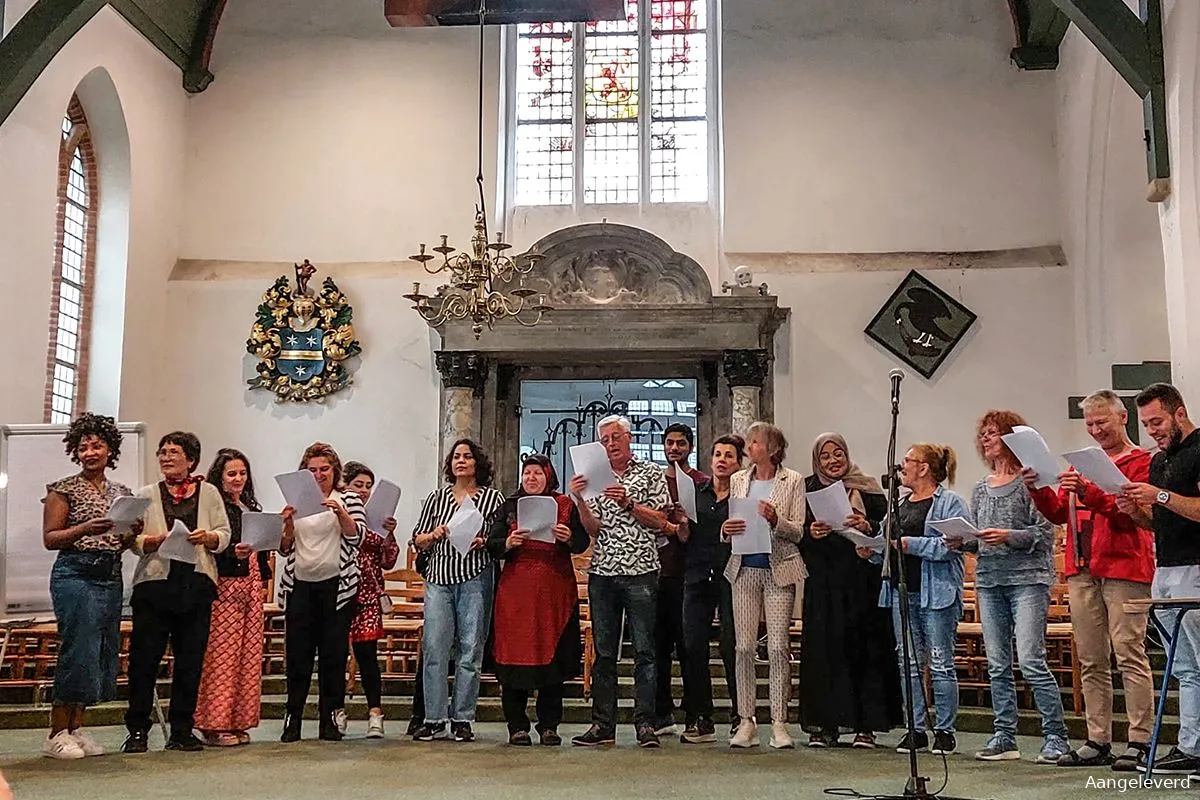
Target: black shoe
[[1175, 762], [329, 731], [822, 739], [462, 732], [944, 744], [664, 725], [646, 737], [520, 739], [428, 732], [702, 732], [1090, 754], [186, 742], [136, 742], [594, 736], [291, 728], [864, 741], [734, 723], [549, 737], [906, 744], [414, 725]]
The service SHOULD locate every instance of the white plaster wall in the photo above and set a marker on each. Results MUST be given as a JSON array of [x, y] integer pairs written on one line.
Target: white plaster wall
[[858, 126], [829, 376], [13, 11], [153, 104]]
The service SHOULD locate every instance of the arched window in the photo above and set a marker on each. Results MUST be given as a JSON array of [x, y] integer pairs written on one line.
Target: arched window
[[74, 270]]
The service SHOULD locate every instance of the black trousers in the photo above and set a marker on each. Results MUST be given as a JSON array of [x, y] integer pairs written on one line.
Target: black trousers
[[314, 624], [549, 707], [669, 643], [418, 708], [366, 655], [700, 601], [167, 613]]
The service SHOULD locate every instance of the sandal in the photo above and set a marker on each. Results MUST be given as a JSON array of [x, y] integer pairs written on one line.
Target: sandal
[[1135, 753], [1102, 756]]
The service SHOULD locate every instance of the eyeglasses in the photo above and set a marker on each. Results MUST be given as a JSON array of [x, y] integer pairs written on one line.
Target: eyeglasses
[[986, 435], [614, 437], [908, 460]]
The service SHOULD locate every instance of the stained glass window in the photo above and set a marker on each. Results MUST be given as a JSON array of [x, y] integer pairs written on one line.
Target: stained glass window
[[613, 111]]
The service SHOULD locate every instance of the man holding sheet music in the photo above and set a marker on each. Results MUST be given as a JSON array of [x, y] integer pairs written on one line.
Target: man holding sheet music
[[1109, 561], [625, 522]]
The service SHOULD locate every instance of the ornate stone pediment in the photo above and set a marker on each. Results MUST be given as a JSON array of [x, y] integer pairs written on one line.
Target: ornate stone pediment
[[604, 264]]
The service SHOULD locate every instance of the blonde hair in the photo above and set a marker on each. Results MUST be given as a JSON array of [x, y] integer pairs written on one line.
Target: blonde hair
[[1101, 399], [773, 438], [942, 461], [325, 451]]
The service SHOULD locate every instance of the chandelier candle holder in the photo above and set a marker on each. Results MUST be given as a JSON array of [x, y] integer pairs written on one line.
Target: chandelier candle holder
[[472, 291]]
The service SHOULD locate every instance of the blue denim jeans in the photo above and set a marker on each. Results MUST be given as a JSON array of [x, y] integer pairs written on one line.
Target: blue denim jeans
[[457, 616], [85, 589], [1006, 611], [1171, 582], [933, 634], [636, 599]]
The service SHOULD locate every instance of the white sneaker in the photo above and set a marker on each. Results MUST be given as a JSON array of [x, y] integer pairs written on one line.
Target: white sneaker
[[747, 734], [375, 726], [780, 738], [339, 719], [87, 744], [62, 745]]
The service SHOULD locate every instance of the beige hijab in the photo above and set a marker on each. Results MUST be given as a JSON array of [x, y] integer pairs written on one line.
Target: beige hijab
[[857, 482]]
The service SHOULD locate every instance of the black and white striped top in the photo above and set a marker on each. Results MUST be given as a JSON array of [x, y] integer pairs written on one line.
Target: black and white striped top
[[347, 554], [446, 565]]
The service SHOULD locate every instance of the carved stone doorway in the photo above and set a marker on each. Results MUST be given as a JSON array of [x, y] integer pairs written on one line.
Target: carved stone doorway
[[627, 306]]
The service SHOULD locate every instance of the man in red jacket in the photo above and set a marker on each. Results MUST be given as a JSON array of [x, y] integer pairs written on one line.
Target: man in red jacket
[[1109, 560]]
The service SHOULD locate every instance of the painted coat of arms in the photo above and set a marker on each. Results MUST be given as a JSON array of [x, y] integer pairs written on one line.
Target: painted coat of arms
[[302, 340]]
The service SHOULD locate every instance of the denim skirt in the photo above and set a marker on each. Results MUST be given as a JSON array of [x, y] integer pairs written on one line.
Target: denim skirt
[[86, 589]]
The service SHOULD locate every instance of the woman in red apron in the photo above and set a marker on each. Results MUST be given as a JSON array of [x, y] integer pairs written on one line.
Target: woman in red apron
[[537, 644]]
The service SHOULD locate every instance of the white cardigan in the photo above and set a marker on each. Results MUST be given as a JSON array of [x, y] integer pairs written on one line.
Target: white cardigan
[[210, 516]]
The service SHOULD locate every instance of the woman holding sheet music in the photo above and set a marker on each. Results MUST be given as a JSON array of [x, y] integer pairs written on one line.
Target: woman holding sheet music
[[231, 684], [317, 589], [537, 642], [377, 554], [85, 583], [458, 588]]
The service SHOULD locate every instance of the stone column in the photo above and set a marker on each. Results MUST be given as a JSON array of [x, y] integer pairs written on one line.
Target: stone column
[[745, 370], [463, 376]]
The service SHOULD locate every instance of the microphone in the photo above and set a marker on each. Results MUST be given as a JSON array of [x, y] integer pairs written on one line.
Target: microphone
[[896, 376]]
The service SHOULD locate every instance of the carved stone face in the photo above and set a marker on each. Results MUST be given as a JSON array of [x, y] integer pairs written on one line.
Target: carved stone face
[[742, 275]]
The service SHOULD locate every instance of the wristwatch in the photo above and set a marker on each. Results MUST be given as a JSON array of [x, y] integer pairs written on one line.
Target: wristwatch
[[1163, 497], [629, 506]]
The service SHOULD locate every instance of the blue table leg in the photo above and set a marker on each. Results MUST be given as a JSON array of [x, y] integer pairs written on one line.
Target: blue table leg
[[1171, 643]]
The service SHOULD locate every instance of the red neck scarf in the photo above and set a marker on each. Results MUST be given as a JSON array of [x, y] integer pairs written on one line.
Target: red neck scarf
[[180, 487]]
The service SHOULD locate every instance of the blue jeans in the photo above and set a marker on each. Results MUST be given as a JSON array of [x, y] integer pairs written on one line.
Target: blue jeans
[[933, 634], [636, 599], [1020, 610], [1172, 582], [85, 589], [459, 616]]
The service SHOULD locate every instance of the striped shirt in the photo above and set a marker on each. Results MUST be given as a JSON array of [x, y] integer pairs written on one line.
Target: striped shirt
[[347, 554], [447, 566]]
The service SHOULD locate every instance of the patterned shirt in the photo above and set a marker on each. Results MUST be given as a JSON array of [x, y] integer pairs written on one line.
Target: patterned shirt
[[625, 546], [86, 502], [447, 566]]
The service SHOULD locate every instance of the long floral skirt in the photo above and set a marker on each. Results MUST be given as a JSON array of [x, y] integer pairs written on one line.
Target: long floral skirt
[[231, 686]]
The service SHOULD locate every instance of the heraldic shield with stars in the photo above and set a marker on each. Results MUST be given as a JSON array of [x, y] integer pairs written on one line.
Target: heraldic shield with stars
[[302, 340]]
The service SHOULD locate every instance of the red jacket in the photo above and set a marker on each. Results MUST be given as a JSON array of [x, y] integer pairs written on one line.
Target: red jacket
[[1120, 549]]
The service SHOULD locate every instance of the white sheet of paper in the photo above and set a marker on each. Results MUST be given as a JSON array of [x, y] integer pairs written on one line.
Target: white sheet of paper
[[127, 510], [1030, 449], [538, 515], [757, 538], [465, 526], [1095, 465], [860, 539], [956, 527], [591, 461], [382, 504], [262, 531], [830, 505], [176, 546], [686, 488], [301, 492]]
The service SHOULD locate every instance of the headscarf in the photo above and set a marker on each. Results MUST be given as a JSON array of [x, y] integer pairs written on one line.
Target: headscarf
[[551, 488], [857, 482]]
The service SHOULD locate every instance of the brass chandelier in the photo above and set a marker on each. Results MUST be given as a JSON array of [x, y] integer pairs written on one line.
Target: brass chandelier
[[473, 289]]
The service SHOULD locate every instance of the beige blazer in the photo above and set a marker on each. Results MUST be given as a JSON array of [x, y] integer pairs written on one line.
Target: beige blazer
[[787, 495], [211, 516]]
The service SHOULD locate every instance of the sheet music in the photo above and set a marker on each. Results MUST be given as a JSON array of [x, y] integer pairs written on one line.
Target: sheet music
[[757, 538]]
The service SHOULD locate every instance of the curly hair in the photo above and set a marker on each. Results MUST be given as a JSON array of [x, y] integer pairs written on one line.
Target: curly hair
[[1004, 422], [483, 464], [102, 427], [325, 451], [216, 476]]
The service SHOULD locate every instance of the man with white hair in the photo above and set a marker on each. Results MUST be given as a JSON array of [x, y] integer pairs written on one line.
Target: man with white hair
[[624, 523], [1109, 560]]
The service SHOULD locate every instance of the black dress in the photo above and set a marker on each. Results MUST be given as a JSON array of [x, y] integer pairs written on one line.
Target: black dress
[[849, 681]]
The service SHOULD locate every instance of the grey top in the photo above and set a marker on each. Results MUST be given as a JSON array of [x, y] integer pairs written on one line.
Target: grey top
[[1027, 558]]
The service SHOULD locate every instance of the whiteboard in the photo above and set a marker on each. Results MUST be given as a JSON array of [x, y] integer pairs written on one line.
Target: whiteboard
[[32, 456]]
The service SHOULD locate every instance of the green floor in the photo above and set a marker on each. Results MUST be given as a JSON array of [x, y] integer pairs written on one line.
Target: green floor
[[489, 768]]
